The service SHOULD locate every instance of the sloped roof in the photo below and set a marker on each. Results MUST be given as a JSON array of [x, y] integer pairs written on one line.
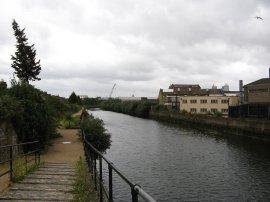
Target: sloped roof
[[260, 81]]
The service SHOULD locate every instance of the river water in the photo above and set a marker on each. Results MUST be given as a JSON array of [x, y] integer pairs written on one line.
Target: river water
[[177, 164]]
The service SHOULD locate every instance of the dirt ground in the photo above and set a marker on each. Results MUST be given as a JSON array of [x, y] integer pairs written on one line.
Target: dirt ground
[[4, 180], [67, 148]]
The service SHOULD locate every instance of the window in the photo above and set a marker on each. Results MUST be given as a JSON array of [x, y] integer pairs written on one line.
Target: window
[[224, 101], [193, 110], [178, 89], [214, 101], [193, 101], [184, 101], [214, 110], [203, 110], [203, 101], [224, 110]]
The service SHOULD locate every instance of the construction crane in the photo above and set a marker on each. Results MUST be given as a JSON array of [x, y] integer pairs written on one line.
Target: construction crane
[[112, 90]]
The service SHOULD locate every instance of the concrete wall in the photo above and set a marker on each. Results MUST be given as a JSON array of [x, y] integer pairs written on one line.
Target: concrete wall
[[257, 128]]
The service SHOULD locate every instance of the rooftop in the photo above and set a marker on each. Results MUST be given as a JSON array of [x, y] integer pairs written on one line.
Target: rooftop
[[260, 81]]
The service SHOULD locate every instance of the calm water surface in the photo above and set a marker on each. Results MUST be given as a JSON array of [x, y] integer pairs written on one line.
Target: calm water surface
[[176, 164]]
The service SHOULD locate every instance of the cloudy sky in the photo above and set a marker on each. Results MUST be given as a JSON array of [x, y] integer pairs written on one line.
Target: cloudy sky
[[141, 45]]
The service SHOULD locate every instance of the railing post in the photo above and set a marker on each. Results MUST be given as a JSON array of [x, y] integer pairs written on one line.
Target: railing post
[[36, 148], [10, 162], [38, 152], [134, 195], [100, 180], [110, 184], [25, 160], [95, 171]]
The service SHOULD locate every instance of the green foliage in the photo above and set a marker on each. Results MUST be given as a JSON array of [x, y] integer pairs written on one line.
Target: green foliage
[[160, 108], [20, 169], [74, 99], [218, 114], [36, 122], [95, 132], [9, 107], [3, 87], [24, 62], [72, 122], [183, 111], [83, 188], [134, 108], [91, 102]]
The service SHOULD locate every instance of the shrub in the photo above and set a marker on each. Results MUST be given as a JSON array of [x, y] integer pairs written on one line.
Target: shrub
[[95, 132]]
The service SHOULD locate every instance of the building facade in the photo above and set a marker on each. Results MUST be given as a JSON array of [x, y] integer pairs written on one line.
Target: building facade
[[209, 104], [257, 92], [193, 99]]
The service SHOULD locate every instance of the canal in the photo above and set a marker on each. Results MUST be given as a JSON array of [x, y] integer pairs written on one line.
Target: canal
[[177, 164]]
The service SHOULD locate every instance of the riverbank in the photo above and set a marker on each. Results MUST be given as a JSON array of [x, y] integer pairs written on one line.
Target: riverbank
[[254, 128]]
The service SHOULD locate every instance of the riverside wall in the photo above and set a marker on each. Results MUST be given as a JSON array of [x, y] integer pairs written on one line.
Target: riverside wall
[[255, 128]]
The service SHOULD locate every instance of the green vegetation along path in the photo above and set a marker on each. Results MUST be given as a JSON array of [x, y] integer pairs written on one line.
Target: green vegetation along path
[[54, 180]]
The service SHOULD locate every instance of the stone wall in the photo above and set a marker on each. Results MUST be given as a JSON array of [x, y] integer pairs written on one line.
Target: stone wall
[[257, 128], [7, 136]]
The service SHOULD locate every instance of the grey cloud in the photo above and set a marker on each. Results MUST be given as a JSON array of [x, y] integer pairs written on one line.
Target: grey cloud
[[153, 43]]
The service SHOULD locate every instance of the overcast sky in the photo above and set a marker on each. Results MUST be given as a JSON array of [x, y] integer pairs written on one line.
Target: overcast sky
[[141, 45]]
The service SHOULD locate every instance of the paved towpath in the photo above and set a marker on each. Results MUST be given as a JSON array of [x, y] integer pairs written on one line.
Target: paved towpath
[[53, 181]]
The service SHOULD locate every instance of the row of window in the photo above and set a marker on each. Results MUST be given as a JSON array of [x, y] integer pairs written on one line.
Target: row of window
[[213, 101], [204, 110]]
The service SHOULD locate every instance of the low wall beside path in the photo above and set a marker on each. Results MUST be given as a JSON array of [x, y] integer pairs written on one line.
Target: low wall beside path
[[7, 136], [256, 128]]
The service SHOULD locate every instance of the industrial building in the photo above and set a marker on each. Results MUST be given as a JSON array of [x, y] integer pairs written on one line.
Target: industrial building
[[192, 98]]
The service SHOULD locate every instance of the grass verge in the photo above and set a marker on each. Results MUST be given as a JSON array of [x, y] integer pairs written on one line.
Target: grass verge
[[83, 187], [71, 122], [20, 169]]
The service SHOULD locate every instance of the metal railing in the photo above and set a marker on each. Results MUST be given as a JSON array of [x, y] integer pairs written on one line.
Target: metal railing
[[32, 154], [92, 156]]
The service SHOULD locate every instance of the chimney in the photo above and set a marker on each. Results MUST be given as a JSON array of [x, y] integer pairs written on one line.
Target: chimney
[[241, 92], [240, 85]]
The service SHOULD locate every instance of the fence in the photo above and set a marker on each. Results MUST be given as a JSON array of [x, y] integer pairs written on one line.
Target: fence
[[250, 110], [16, 160], [92, 155]]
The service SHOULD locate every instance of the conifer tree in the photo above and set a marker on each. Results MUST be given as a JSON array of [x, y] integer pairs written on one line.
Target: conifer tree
[[24, 62]]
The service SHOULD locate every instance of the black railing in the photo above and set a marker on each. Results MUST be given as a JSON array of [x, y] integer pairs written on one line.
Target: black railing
[[11, 154], [92, 156]]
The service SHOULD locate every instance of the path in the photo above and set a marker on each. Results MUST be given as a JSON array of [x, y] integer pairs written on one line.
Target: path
[[53, 180]]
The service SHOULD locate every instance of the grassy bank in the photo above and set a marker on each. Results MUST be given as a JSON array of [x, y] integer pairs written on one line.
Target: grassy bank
[[84, 188]]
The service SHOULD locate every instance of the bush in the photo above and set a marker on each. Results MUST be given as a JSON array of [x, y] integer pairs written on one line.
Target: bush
[[160, 108], [218, 114], [135, 108], [36, 122], [95, 132]]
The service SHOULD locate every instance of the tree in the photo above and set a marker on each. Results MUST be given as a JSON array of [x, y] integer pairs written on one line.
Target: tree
[[3, 86], [24, 62], [74, 99]]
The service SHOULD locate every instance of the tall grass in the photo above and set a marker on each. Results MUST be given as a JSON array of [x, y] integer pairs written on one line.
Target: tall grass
[[83, 187]]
